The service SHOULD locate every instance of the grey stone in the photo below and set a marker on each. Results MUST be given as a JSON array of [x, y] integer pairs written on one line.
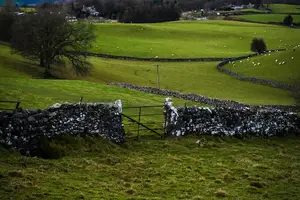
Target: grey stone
[[31, 119]]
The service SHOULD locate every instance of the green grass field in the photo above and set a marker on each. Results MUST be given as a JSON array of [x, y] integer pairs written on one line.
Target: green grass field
[[158, 169], [200, 78], [285, 8], [270, 67], [268, 18], [27, 9], [188, 39], [249, 10], [20, 81]]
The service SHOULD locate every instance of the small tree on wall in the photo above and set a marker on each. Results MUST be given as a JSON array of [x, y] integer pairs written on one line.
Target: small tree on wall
[[258, 45]]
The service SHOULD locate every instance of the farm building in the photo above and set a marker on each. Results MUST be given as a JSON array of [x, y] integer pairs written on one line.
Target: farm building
[[29, 2]]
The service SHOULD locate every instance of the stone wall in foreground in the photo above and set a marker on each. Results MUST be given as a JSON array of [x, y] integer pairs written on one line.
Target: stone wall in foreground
[[229, 121], [20, 128]]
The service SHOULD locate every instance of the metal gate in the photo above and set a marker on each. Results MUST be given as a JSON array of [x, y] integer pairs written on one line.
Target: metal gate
[[144, 120]]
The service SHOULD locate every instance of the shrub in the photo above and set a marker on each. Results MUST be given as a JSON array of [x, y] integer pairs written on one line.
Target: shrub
[[288, 20], [258, 45], [44, 148]]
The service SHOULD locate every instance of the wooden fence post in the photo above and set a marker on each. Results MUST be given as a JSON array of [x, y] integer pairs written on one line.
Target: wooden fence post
[[140, 112]]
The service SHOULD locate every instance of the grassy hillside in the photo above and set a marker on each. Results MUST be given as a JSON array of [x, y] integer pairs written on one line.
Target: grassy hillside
[[158, 169], [285, 8], [188, 39], [268, 18], [20, 80], [248, 10], [200, 78], [270, 67]]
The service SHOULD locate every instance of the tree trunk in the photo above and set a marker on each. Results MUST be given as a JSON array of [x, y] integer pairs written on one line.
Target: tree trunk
[[42, 63]]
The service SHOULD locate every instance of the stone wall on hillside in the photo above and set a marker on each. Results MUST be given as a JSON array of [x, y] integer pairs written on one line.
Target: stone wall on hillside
[[156, 59], [19, 128], [204, 99], [229, 121]]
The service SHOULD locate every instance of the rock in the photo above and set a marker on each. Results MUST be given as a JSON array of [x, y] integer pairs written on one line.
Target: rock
[[31, 119], [57, 105]]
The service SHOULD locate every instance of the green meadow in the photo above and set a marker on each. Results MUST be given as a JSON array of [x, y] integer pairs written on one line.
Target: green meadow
[[268, 18], [151, 168], [198, 77], [188, 39], [279, 66], [285, 8]]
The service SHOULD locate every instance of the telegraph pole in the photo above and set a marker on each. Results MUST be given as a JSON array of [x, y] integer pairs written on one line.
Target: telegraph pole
[[157, 72]]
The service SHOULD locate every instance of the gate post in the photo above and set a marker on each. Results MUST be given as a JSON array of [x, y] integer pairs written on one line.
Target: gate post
[[140, 111]]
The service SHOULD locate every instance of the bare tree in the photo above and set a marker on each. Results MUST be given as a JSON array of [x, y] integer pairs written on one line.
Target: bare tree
[[49, 37]]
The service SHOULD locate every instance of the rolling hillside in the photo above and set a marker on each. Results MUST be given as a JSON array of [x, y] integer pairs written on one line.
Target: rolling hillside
[[265, 18], [188, 39], [200, 78], [285, 8], [281, 66]]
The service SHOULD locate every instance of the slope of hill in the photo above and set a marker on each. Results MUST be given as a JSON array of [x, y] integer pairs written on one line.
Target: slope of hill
[[19, 80], [281, 66], [265, 18], [211, 38], [200, 78], [285, 8]]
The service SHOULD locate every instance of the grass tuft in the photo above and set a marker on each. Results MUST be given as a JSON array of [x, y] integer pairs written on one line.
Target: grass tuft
[[221, 193]]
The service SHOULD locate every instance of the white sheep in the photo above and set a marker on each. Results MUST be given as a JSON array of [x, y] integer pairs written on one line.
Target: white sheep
[[276, 60], [292, 58]]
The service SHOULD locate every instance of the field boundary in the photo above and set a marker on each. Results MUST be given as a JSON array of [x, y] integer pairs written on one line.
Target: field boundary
[[252, 79], [150, 59], [204, 99], [230, 18], [219, 66]]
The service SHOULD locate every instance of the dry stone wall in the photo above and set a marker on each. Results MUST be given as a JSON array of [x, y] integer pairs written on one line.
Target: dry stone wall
[[204, 99], [229, 121], [20, 128]]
